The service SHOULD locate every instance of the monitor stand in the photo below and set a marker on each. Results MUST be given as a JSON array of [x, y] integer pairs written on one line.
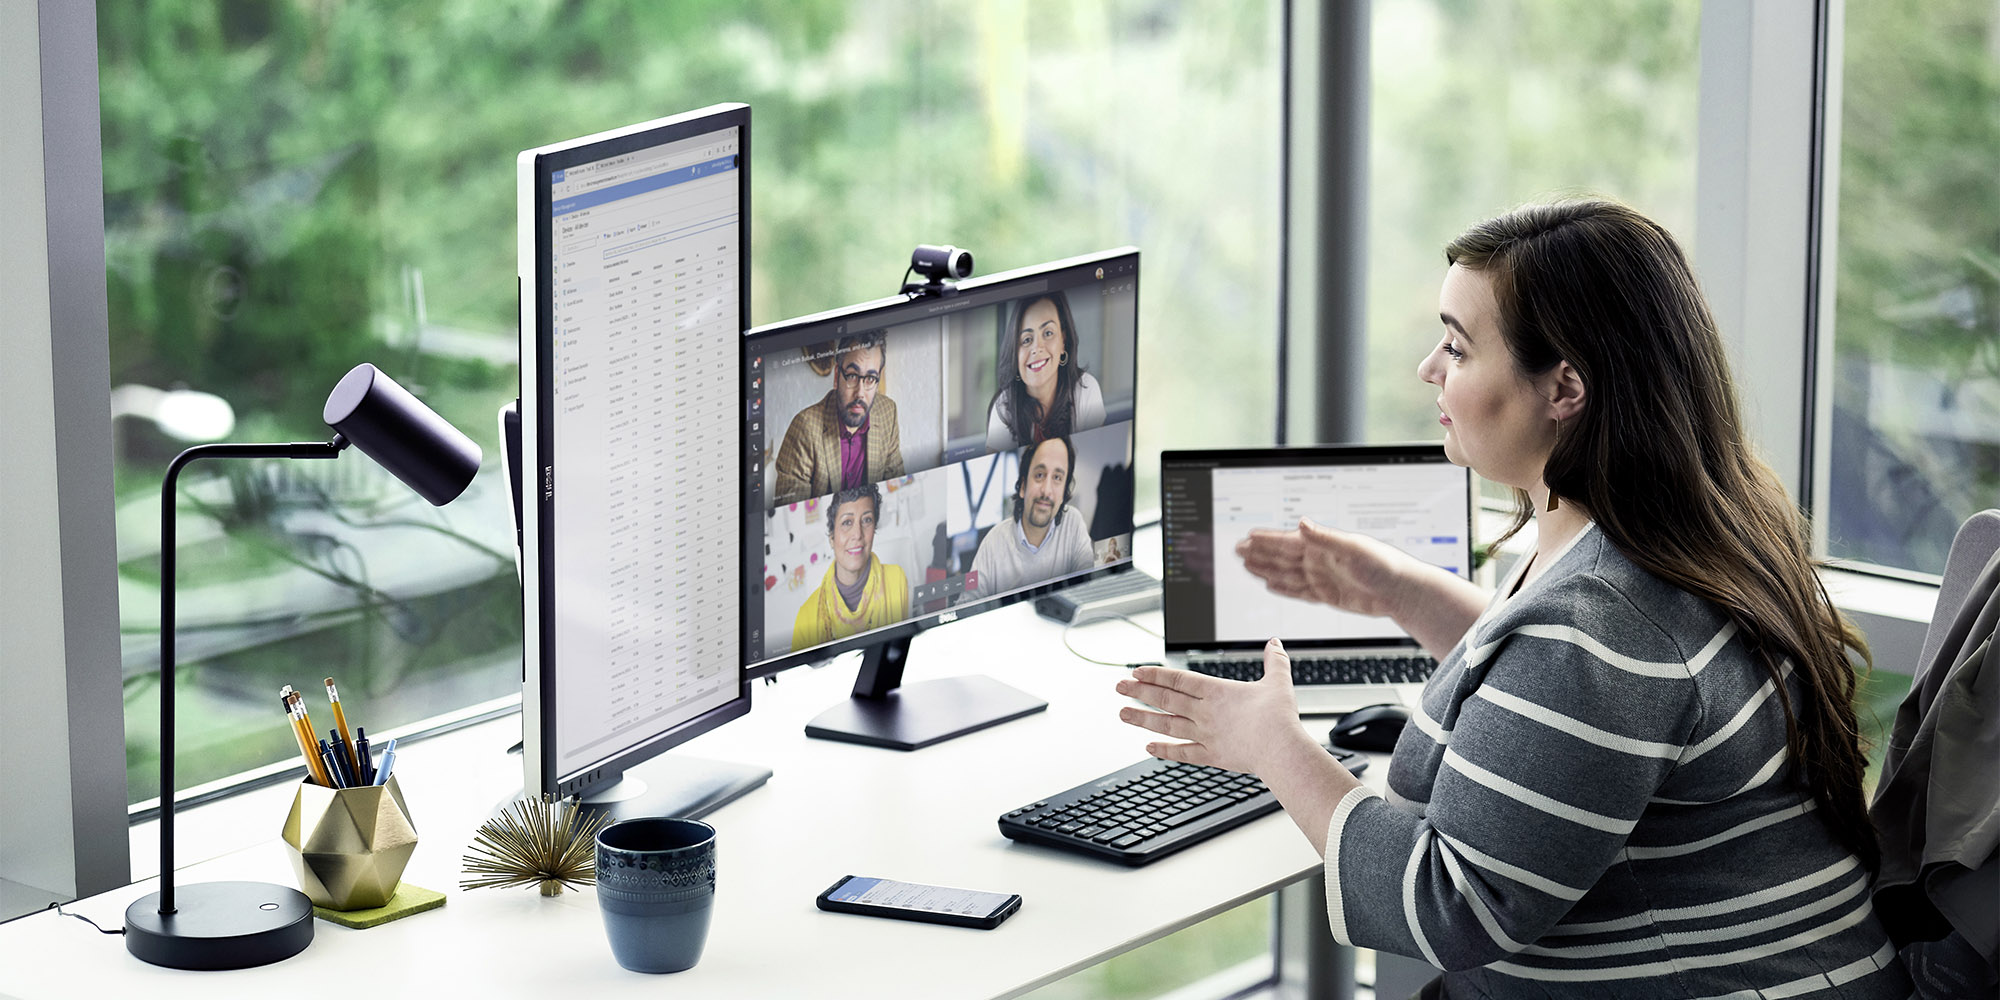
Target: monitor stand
[[670, 785], [885, 712]]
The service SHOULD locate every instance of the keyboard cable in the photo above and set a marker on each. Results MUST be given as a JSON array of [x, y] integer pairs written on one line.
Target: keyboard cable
[[1109, 618]]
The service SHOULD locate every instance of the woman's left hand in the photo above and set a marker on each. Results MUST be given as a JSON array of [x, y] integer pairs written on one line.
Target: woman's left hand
[[1237, 725]]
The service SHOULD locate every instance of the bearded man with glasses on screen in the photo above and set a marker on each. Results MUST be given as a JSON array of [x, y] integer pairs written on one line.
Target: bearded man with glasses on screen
[[848, 438]]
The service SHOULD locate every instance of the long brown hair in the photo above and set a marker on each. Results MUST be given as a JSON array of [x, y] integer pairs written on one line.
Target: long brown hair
[[1657, 457], [1025, 419]]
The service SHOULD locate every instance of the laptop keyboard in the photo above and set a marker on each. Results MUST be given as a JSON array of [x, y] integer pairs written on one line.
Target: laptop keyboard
[[1145, 812], [1325, 670]]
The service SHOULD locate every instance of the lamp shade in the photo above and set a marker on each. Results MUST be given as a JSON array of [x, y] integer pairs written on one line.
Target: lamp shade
[[403, 435]]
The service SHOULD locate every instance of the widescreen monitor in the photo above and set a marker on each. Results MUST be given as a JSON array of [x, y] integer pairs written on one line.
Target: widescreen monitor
[[911, 461], [634, 265]]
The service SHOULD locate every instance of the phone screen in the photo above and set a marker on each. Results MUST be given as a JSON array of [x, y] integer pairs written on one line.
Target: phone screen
[[924, 898]]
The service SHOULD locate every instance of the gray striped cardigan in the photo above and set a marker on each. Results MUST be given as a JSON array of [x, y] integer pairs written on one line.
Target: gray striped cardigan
[[1593, 802]]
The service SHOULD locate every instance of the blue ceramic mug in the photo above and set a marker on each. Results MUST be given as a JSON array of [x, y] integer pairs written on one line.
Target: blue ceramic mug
[[656, 889]]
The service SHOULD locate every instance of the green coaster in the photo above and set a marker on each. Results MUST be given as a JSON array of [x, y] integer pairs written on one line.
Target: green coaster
[[407, 900]]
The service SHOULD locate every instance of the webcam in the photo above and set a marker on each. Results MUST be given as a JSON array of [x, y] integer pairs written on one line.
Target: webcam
[[941, 265]]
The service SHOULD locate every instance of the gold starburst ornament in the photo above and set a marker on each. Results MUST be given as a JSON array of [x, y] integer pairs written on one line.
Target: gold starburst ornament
[[535, 841]]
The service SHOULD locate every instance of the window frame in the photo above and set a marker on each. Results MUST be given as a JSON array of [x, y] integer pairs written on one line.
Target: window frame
[[1770, 102], [62, 764]]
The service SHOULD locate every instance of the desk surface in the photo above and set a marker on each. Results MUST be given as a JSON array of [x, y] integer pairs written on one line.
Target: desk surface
[[831, 809]]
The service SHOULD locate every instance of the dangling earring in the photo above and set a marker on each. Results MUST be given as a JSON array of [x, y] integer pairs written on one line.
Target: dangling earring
[[1063, 360], [1552, 493]]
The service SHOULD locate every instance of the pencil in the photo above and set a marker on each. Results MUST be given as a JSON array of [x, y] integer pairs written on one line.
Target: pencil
[[305, 719], [340, 723], [293, 711]]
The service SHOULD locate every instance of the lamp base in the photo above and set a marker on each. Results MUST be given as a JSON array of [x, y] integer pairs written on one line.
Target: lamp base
[[220, 925]]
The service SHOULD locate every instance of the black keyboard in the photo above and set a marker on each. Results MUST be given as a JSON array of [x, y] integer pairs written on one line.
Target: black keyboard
[[1147, 811], [1326, 670]]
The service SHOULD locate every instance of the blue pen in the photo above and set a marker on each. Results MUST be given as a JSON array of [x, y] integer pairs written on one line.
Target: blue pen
[[367, 775], [349, 777], [332, 766], [388, 762]]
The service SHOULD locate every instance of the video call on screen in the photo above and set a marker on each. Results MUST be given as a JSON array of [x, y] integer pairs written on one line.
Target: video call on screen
[[887, 468]]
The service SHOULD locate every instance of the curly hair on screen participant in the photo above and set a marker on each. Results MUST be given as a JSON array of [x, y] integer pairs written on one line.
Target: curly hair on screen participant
[[1636, 769], [1044, 391], [860, 592]]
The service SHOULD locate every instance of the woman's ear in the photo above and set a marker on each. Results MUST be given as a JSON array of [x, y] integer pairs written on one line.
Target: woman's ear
[[1563, 387]]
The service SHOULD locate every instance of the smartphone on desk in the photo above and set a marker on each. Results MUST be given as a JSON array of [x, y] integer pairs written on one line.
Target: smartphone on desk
[[931, 904]]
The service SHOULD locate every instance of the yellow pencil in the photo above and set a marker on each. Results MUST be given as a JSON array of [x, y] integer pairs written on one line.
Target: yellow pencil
[[306, 723], [294, 712], [340, 723]]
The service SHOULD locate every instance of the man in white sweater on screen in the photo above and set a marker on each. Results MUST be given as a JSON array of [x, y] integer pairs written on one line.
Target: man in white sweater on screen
[[1046, 538]]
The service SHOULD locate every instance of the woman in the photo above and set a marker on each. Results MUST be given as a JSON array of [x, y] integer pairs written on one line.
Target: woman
[[860, 592], [1635, 772], [1044, 391]]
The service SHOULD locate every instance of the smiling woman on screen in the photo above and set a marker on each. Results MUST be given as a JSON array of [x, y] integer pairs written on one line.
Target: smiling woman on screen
[[860, 592], [1044, 391]]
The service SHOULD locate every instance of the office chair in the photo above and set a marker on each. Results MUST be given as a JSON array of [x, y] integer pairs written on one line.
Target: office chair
[[1937, 808]]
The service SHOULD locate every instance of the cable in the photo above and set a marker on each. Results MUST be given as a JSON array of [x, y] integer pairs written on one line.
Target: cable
[[1109, 618], [57, 906]]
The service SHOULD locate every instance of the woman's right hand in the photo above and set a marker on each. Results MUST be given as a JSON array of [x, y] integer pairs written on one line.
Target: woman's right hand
[[1349, 571]]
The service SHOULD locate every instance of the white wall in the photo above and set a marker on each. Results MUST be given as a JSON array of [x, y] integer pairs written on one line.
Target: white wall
[[62, 746]]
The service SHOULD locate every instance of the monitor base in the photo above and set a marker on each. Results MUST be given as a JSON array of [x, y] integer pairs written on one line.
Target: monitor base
[[669, 785], [913, 716]]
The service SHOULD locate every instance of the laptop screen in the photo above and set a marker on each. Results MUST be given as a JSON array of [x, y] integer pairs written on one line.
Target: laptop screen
[[1409, 496]]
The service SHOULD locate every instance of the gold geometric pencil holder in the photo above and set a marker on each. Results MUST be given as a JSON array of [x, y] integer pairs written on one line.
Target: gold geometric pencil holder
[[349, 845]]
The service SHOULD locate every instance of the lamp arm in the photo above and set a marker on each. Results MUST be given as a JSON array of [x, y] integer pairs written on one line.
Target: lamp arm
[[295, 449]]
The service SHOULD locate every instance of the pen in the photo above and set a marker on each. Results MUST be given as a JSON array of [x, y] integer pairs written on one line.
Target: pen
[[332, 763], [367, 774], [350, 776], [388, 761], [315, 767], [340, 723]]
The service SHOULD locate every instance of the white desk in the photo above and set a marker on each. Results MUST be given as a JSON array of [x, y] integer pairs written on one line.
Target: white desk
[[831, 809]]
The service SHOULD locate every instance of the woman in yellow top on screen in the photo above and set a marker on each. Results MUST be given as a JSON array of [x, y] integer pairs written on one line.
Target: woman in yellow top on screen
[[1044, 391], [860, 592]]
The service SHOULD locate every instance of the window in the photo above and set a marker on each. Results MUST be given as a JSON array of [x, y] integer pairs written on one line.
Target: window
[[1916, 326], [1479, 107], [291, 189]]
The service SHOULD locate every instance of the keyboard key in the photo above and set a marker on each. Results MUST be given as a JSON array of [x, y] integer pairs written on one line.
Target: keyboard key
[[1195, 813]]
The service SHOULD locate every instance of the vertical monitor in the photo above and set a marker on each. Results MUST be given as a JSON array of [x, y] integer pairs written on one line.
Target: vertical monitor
[[634, 258], [910, 461]]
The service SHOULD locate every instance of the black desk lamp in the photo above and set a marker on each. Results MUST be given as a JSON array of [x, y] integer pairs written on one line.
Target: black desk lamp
[[237, 925]]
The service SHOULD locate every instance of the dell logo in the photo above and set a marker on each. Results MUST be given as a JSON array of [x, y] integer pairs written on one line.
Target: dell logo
[[947, 618]]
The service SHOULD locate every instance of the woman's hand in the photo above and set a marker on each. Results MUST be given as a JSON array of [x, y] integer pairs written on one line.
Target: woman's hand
[[1349, 571], [1245, 726]]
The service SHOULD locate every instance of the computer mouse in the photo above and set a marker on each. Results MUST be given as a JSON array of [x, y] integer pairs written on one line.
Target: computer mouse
[[1373, 728]]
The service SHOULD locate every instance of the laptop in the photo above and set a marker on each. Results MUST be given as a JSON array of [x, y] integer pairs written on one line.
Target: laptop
[[1219, 616]]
